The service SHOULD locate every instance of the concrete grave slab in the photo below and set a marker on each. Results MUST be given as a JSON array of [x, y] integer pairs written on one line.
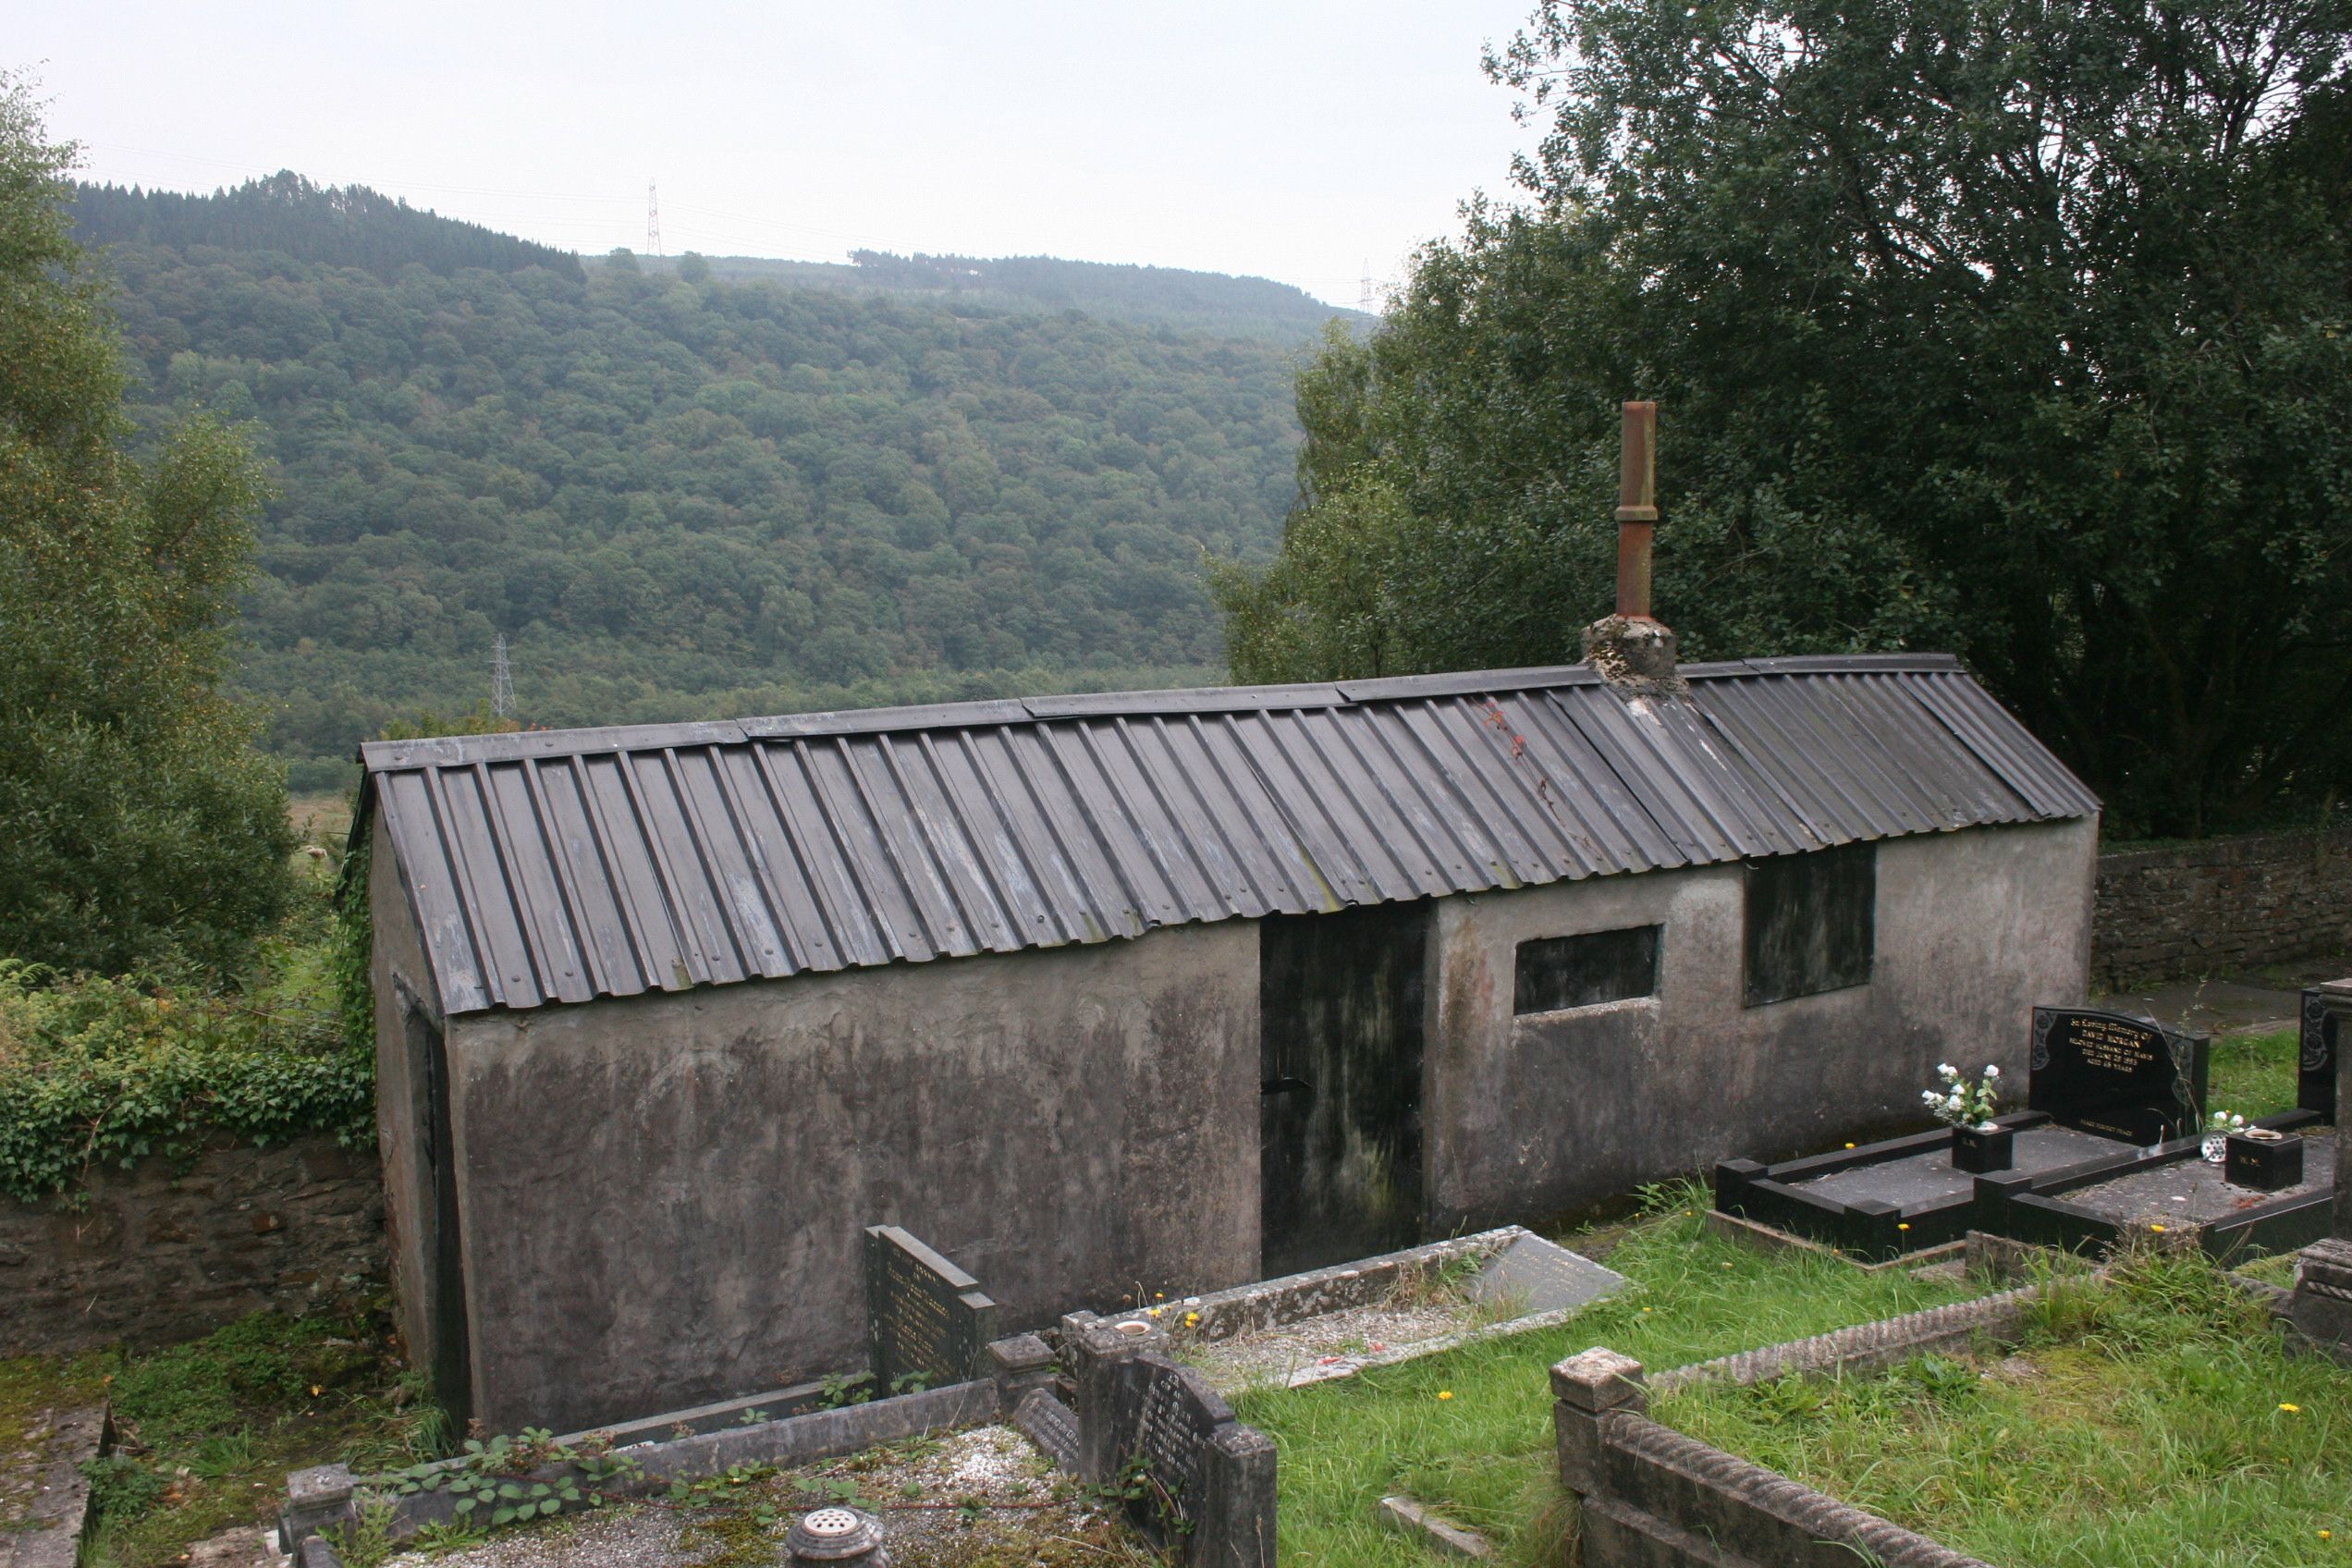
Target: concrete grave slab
[[1540, 1275], [50, 1490]]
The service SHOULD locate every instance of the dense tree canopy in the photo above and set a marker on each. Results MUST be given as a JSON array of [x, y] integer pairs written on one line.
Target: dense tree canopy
[[138, 827], [682, 496], [2008, 326]]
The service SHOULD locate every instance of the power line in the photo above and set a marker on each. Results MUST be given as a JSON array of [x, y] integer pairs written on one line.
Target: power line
[[501, 681]]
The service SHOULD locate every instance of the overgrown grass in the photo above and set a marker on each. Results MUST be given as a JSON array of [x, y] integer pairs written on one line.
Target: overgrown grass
[[207, 1431], [2152, 1419], [1470, 1432], [2253, 1074]]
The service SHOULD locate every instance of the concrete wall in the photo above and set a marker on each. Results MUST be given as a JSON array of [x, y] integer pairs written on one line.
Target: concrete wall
[[1542, 1115], [663, 1196], [2222, 906], [401, 982], [159, 1254]]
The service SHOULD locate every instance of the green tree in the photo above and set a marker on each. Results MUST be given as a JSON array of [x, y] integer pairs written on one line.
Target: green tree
[[139, 827], [2008, 326]]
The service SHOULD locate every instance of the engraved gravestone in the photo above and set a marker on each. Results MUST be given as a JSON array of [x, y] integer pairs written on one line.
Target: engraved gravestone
[[1197, 1481], [927, 1320], [1165, 1415], [2315, 1081], [2115, 1075]]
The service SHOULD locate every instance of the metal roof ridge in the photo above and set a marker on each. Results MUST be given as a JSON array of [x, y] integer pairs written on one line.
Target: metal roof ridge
[[446, 750], [462, 749]]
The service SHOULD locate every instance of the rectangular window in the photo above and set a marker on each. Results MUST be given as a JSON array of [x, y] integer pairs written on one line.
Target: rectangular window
[[1557, 973], [1811, 922]]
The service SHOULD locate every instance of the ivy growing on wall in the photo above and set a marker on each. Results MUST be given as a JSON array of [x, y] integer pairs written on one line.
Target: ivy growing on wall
[[97, 1072]]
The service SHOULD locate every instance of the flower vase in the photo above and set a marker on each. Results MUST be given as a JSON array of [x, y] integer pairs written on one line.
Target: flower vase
[[1977, 1151]]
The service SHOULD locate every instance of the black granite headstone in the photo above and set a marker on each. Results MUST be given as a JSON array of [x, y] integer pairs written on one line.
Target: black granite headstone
[[2115, 1075], [925, 1319], [2315, 1084]]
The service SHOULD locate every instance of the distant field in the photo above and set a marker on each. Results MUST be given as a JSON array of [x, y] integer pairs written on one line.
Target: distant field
[[323, 820]]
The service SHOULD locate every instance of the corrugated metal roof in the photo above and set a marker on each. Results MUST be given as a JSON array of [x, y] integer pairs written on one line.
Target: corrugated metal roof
[[565, 865]]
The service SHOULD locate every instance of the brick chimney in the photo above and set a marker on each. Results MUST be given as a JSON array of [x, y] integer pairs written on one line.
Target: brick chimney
[[1630, 649]]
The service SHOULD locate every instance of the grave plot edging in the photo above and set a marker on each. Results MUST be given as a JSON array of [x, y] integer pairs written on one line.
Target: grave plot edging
[[2031, 1207], [1870, 1229], [329, 1497], [50, 1537], [1654, 1495], [1270, 1304], [1873, 1346]]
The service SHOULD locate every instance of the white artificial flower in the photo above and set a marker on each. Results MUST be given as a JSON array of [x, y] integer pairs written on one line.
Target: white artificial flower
[[1991, 1071]]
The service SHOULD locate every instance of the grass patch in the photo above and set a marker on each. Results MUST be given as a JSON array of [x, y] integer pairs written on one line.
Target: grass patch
[[207, 1431], [2153, 1419], [2254, 1074], [1469, 1432]]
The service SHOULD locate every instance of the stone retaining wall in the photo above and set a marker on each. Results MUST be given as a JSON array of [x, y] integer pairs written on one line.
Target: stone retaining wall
[[156, 1255], [2221, 905]]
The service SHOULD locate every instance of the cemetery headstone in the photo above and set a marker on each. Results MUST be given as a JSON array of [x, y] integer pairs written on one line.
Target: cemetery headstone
[[927, 1322], [2315, 1083], [2119, 1077], [1047, 1422], [2320, 1306], [1196, 1482]]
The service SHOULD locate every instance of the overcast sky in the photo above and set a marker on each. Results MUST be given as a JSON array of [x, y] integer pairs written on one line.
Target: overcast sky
[[1308, 142]]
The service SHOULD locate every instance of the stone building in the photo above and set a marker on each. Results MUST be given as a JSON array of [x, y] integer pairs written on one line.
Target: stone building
[[1109, 996]]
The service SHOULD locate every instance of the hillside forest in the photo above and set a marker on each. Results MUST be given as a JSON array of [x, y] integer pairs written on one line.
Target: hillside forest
[[687, 488]]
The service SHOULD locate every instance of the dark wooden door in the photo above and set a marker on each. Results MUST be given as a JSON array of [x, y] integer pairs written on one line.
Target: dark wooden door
[[1339, 999]]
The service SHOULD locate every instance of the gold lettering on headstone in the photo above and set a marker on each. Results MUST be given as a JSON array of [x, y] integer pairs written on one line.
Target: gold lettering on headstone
[[2115, 1046]]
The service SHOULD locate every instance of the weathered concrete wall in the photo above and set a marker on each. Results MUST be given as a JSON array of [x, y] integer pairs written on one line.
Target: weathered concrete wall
[[155, 1257], [403, 982], [1542, 1115], [2222, 905], [663, 1196]]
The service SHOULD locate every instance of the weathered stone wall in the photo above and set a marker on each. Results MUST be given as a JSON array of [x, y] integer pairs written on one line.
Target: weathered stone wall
[[157, 1256], [663, 1197], [2221, 905]]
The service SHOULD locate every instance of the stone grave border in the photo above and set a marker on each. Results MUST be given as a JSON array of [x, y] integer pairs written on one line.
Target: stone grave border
[[50, 1533], [1293, 1298], [1655, 1495], [329, 1496], [2030, 1206], [2007, 1203], [1767, 1195], [1648, 1489]]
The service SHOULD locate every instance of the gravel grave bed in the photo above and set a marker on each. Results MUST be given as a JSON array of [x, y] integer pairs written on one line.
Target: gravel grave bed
[[983, 1498], [1325, 1342]]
